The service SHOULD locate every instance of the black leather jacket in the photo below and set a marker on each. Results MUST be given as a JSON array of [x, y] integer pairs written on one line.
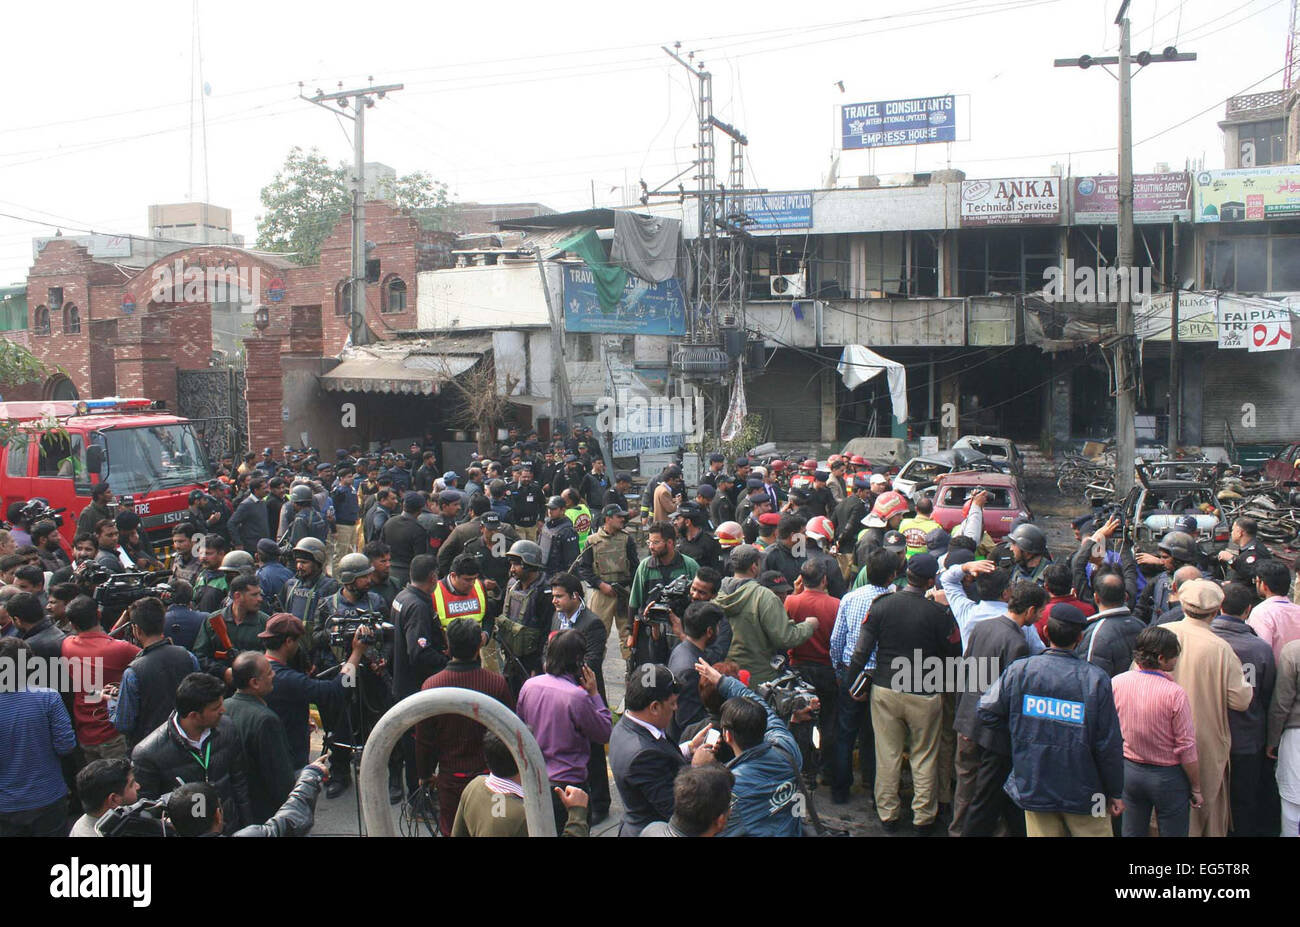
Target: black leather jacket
[[162, 757], [296, 815]]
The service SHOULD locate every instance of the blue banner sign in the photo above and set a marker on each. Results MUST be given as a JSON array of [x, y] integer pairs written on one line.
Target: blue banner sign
[[645, 309], [778, 212], [915, 121]]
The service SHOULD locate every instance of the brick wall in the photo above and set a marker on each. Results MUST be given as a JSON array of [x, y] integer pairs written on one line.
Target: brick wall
[[265, 392]]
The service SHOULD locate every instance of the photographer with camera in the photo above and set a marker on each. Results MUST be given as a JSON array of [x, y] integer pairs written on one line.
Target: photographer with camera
[[235, 628], [196, 744], [765, 796], [759, 624], [147, 692], [648, 641], [294, 692], [194, 811]]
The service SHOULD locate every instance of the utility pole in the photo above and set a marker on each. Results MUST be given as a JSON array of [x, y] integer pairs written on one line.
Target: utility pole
[[361, 100], [1126, 375], [1175, 381]]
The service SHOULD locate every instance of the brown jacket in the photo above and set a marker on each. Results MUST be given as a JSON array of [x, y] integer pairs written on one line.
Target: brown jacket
[[484, 813]]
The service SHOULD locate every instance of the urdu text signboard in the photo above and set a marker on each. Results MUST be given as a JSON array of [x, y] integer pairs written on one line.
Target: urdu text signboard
[[1011, 201], [1156, 198], [914, 121], [1254, 326], [645, 309], [1248, 195]]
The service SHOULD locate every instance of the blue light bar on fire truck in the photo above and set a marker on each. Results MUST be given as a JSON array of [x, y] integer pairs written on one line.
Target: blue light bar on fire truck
[[112, 404]]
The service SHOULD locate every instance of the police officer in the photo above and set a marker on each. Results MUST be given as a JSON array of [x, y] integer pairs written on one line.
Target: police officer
[[848, 515], [527, 501], [557, 539], [716, 464], [440, 524], [1067, 751], [1177, 549], [489, 547], [405, 536], [1028, 546], [301, 519], [606, 566], [526, 616], [1240, 567], [309, 587], [722, 508]]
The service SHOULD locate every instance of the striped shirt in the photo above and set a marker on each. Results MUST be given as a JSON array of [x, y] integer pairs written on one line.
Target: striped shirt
[[1155, 717], [848, 624], [35, 731]]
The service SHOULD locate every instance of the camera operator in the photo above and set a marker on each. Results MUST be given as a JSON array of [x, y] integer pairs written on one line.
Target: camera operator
[[45, 537], [147, 692], [100, 508], [758, 619], [294, 692], [194, 811], [352, 599], [765, 762], [183, 621], [103, 785], [83, 552], [196, 744], [235, 628], [664, 564]]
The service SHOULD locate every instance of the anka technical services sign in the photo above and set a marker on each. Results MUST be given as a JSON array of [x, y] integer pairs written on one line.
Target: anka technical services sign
[[914, 121], [1011, 201]]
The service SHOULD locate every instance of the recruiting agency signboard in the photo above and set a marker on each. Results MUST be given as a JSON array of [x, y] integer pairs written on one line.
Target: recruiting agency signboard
[[1011, 201], [645, 309], [1248, 194], [914, 121], [1156, 198]]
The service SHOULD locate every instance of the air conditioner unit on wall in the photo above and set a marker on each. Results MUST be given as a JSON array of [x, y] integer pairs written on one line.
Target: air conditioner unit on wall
[[790, 286]]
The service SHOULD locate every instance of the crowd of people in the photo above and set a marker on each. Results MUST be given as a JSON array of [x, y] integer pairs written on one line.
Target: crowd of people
[[784, 621]]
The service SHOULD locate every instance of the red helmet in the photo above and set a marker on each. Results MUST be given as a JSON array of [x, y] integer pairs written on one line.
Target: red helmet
[[821, 528], [808, 465], [729, 534], [859, 461], [888, 504], [777, 466]]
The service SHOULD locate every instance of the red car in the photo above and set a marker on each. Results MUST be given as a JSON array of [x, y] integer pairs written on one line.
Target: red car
[[1005, 506]]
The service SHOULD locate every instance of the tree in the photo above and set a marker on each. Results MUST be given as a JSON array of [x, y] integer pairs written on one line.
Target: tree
[[308, 197], [17, 366], [475, 400]]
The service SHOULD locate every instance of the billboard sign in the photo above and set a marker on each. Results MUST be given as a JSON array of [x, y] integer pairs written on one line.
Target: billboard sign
[[778, 212], [1156, 198], [1011, 201], [1197, 317], [1248, 195], [1254, 326], [914, 121], [645, 309]]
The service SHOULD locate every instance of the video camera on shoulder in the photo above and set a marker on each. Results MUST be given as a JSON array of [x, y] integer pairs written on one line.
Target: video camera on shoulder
[[116, 591], [38, 509], [145, 818], [788, 692], [672, 597], [343, 628]]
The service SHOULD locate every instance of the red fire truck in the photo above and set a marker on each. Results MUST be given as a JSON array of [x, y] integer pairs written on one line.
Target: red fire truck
[[60, 449]]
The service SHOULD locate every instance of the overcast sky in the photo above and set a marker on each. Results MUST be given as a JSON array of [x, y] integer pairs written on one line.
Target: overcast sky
[[509, 101]]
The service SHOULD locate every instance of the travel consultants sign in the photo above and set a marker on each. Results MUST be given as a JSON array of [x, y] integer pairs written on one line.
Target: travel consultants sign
[[914, 121], [645, 309], [1156, 198], [1011, 201]]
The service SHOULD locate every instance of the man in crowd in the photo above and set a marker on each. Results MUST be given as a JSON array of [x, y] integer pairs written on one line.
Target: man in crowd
[[103, 785], [261, 734], [235, 628], [96, 735], [760, 626], [147, 692], [35, 733], [493, 805], [1276, 619], [812, 658], [406, 537], [606, 567]]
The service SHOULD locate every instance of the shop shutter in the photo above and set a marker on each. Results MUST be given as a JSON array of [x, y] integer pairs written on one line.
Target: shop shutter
[[788, 397], [1269, 380]]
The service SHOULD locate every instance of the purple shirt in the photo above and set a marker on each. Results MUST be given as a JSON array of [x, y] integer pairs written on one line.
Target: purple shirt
[[566, 721]]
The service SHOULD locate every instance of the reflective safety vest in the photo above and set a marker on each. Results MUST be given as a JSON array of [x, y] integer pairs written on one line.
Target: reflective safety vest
[[914, 530], [581, 518], [451, 605]]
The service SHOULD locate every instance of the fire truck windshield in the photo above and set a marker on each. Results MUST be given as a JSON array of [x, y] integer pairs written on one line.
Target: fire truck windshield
[[154, 457]]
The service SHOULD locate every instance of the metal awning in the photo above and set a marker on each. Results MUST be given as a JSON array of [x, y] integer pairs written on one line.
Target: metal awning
[[411, 367]]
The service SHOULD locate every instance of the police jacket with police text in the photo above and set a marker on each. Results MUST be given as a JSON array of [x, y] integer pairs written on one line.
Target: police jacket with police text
[[1067, 752]]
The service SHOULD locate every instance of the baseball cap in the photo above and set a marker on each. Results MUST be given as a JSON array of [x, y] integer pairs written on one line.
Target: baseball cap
[[1187, 523], [725, 478], [753, 483], [267, 546], [570, 458], [490, 519], [706, 491], [938, 539], [450, 475], [283, 623], [448, 496], [861, 482], [1200, 596], [612, 510], [925, 566], [774, 580], [894, 541], [958, 555]]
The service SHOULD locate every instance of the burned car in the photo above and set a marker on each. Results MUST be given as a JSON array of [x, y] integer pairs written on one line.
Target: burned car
[[921, 473]]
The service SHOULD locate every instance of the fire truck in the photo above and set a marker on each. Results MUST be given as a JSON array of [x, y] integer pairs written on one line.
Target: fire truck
[[58, 450]]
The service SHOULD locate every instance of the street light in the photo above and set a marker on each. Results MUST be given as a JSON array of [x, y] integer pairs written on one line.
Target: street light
[[262, 319]]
